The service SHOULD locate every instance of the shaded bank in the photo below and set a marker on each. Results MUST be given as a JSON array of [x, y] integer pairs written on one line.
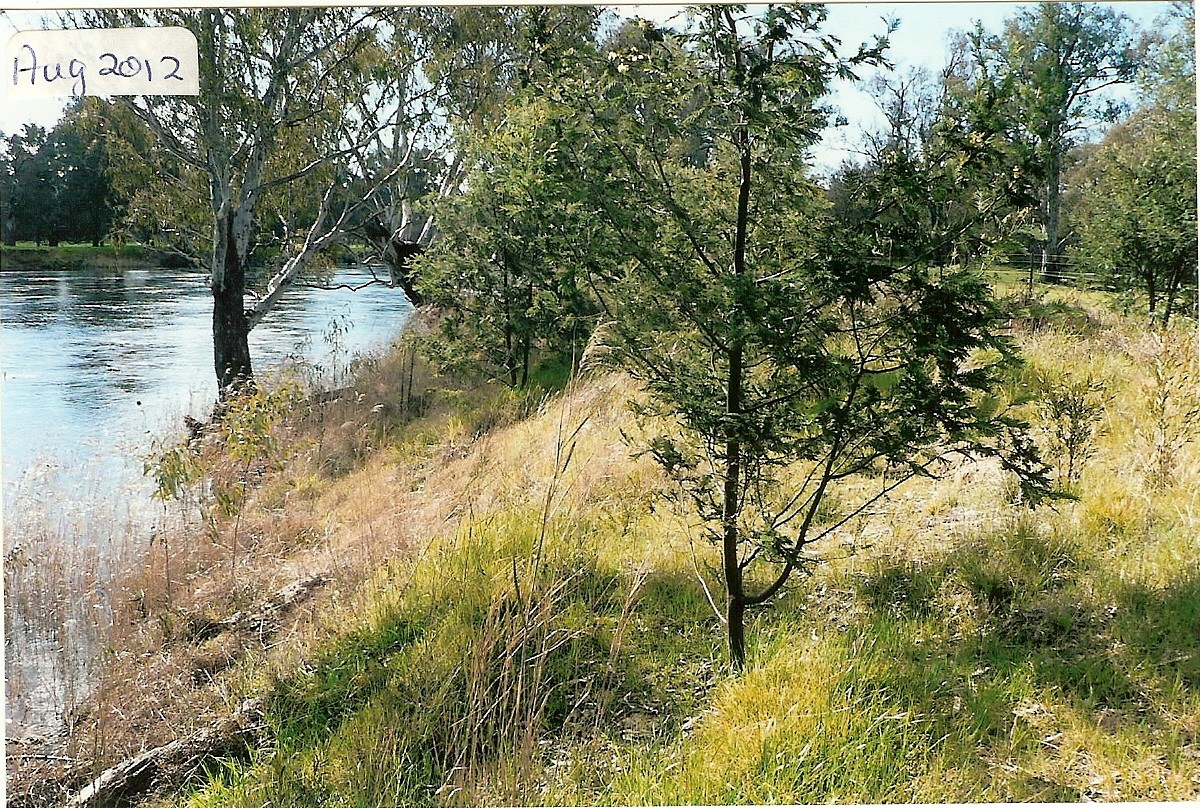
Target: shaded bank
[[80, 256]]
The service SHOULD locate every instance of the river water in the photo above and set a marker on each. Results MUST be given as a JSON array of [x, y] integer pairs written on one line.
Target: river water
[[97, 365]]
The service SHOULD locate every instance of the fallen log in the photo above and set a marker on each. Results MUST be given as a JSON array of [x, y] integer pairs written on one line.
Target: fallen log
[[264, 618], [169, 765]]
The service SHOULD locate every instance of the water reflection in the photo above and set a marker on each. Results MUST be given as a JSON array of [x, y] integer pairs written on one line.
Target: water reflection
[[94, 298], [125, 353]]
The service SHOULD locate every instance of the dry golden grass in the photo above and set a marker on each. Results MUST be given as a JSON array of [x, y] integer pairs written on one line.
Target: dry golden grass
[[953, 647]]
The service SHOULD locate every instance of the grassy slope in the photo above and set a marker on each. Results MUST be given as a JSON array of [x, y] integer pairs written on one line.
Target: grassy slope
[[533, 627]]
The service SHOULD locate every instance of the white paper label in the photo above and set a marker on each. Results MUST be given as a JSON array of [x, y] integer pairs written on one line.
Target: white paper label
[[102, 61]]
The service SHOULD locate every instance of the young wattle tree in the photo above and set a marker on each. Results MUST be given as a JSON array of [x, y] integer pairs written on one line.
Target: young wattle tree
[[785, 352], [506, 272]]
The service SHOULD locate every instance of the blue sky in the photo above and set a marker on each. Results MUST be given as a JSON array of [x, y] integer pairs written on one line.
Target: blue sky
[[921, 40]]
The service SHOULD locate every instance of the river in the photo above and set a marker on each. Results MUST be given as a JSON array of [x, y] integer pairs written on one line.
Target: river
[[97, 365]]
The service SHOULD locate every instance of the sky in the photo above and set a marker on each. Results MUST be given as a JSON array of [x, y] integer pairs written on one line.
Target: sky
[[921, 40]]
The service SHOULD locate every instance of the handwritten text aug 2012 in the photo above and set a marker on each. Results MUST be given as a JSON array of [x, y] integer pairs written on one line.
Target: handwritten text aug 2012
[[77, 69], [122, 61]]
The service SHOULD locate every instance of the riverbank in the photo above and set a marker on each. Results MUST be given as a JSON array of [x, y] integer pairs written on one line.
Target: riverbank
[[438, 593], [25, 257]]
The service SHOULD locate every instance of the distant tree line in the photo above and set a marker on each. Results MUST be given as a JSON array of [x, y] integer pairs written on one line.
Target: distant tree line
[[57, 185], [1108, 186]]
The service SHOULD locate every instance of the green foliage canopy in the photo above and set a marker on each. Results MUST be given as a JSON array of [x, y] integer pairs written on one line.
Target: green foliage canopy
[[508, 271], [56, 184], [1048, 69], [1135, 192]]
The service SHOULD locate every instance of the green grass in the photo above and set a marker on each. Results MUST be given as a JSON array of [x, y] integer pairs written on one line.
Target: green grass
[[449, 686], [938, 690], [984, 674], [556, 645]]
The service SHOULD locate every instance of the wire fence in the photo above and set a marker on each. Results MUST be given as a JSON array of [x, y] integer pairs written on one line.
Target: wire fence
[[1033, 268]]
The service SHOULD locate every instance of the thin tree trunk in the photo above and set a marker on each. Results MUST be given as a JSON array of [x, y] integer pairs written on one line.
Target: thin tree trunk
[[526, 339], [1172, 291], [735, 615], [525, 362], [735, 611], [1151, 291], [735, 604]]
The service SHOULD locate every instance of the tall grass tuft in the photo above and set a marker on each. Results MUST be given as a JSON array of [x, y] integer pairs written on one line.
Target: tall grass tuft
[[65, 552]]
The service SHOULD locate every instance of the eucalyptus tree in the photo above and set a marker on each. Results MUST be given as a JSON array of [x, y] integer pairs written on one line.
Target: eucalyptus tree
[[910, 102], [783, 352], [1134, 194], [473, 61], [1058, 59], [483, 56], [270, 136]]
